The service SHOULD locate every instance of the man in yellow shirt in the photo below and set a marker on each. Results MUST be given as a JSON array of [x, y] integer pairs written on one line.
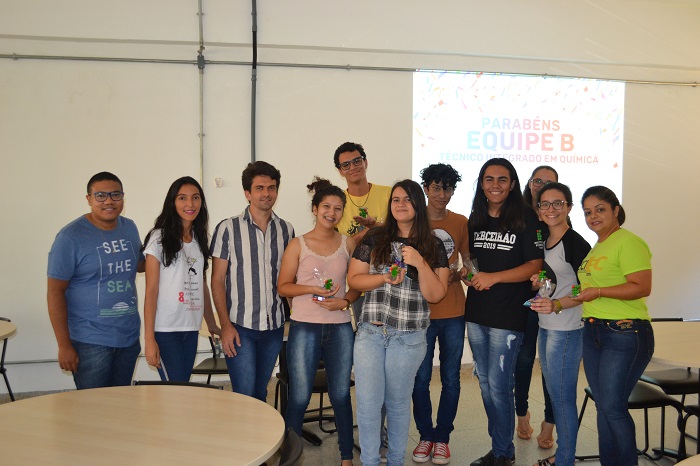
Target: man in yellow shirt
[[367, 201]]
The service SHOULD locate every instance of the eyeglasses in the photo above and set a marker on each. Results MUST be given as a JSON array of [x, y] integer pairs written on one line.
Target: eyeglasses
[[557, 205], [101, 196], [356, 162], [540, 182], [438, 189]]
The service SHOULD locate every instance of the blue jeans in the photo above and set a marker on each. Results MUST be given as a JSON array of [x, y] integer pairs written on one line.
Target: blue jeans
[[386, 362], [523, 370], [450, 334], [560, 357], [495, 351], [309, 342], [615, 354], [250, 370], [104, 366], [177, 353]]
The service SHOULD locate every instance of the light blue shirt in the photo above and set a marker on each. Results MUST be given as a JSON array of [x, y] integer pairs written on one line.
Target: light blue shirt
[[100, 266]]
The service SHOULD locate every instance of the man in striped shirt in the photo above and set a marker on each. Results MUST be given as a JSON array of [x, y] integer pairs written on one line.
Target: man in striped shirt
[[246, 255]]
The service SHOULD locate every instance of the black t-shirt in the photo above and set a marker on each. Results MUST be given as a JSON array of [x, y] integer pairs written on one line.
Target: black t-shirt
[[502, 305]]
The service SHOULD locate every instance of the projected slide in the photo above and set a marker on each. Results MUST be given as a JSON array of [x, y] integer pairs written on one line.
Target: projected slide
[[574, 125]]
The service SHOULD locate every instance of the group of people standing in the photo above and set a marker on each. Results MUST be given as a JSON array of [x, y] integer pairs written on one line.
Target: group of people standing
[[390, 260]]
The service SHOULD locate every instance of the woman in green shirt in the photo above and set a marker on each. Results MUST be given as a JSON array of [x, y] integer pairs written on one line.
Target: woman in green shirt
[[618, 340]]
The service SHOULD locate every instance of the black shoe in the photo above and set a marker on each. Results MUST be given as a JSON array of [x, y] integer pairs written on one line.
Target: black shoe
[[486, 460], [503, 461]]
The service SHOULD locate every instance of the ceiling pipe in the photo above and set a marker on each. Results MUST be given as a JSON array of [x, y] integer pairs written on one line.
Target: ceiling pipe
[[200, 65], [254, 81]]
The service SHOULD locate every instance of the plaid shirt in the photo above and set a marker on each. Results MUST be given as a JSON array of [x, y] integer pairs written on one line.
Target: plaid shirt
[[401, 306]]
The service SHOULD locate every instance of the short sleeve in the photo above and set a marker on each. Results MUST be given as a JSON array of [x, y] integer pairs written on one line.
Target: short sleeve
[[442, 260], [363, 252], [580, 251], [635, 255], [533, 247], [154, 246], [220, 241], [62, 258]]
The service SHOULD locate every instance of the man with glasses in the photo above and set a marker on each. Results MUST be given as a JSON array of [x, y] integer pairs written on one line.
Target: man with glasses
[[446, 322], [366, 208], [92, 299], [367, 202]]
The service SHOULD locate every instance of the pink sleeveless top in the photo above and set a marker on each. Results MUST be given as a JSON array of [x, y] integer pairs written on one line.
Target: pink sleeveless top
[[335, 266]]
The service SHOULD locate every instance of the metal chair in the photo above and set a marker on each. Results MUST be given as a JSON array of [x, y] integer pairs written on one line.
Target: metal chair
[[675, 381], [320, 386], [291, 449], [176, 383], [644, 397], [690, 410], [215, 365], [2, 364]]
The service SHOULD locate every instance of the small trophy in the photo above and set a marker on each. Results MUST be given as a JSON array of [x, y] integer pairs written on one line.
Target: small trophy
[[472, 267], [575, 290], [397, 259], [325, 283], [546, 288]]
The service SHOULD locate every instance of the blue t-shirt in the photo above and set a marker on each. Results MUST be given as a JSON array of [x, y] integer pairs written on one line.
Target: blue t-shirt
[[100, 266]]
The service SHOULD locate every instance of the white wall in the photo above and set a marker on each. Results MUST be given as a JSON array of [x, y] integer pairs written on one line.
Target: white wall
[[62, 121]]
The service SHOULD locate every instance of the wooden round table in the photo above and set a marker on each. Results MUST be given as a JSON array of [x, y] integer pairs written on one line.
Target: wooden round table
[[140, 425], [7, 329], [692, 460]]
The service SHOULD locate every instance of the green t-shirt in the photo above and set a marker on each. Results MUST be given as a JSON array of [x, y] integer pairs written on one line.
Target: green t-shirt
[[622, 253]]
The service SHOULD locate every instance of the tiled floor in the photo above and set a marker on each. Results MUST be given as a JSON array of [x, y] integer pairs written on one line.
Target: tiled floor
[[470, 439]]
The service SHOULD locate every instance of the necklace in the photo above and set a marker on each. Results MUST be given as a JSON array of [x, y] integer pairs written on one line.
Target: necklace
[[366, 197]]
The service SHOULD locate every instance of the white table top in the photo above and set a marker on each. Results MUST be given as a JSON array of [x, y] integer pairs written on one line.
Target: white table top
[[7, 329], [677, 343], [139, 425]]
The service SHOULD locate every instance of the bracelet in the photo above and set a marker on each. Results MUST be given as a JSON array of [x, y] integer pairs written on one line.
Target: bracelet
[[347, 301], [598, 293], [557, 306]]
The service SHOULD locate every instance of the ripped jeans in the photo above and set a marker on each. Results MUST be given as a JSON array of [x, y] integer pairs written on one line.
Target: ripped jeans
[[495, 352]]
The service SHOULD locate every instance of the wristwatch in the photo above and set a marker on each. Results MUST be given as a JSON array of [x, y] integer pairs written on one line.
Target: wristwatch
[[557, 306]]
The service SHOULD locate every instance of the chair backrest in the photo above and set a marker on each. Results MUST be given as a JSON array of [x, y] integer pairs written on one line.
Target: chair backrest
[[5, 319], [184, 384], [291, 450], [667, 319], [216, 352]]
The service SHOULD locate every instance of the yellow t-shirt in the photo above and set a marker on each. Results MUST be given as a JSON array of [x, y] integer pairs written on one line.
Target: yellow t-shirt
[[622, 253], [376, 202]]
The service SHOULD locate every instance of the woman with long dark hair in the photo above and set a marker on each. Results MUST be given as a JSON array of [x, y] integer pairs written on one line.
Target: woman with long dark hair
[[401, 266], [177, 295], [560, 323], [505, 243], [618, 340], [320, 327]]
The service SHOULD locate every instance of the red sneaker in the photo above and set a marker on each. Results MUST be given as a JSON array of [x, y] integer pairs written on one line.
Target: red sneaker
[[441, 453], [421, 453]]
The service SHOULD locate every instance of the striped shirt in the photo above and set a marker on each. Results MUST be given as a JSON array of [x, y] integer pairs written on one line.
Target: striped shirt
[[254, 261]]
